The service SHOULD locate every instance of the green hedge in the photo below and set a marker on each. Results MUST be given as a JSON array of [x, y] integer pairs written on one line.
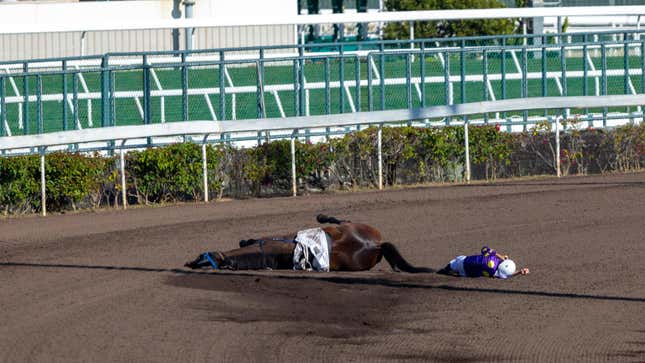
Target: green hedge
[[410, 156]]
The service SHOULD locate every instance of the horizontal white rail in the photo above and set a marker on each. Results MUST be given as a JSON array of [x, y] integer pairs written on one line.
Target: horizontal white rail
[[81, 23], [306, 122], [287, 56]]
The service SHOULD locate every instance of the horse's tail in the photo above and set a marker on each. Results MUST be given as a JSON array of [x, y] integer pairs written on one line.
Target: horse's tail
[[397, 262]]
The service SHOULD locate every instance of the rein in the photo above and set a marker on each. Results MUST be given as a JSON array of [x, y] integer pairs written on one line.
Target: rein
[[207, 255]]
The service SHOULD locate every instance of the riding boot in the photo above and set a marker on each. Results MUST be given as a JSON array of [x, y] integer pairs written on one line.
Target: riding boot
[[446, 270]]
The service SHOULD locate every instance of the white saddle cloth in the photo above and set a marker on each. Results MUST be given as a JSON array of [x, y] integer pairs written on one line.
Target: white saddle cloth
[[312, 251]]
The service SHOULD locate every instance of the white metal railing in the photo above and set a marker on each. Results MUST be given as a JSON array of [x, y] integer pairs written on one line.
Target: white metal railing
[[274, 89], [207, 128]]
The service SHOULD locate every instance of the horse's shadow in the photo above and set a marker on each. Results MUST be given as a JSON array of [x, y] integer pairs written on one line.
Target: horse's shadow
[[326, 277]]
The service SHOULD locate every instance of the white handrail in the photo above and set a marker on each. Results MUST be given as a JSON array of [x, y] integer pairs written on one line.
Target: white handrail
[[304, 122]]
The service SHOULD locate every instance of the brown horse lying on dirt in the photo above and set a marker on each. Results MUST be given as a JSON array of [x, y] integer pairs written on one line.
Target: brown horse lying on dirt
[[354, 247]]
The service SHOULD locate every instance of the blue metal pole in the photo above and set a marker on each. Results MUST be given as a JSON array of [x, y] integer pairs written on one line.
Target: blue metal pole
[[146, 90], [296, 89], [382, 74], [408, 81], [112, 76], [545, 80], [643, 74], [222, 88], [3, 107], [509, 128], [64, 103], [39, 102], [563, 65], [422, 74], [188, 4], [485, 80], [104, 92], [446, 82], [357, 72], [301, 80], [603, 58], [146, 94], [184, 88], [585, 74], [259, 92], [176, 14], [408, 84], [25, 94], [626, 67], [261, 78], [341, 76], [75, 100], [462, 70], [327, 87], [524, 84]]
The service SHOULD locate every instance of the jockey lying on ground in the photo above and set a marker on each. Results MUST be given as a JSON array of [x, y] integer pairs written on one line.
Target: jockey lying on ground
[[489, 263]]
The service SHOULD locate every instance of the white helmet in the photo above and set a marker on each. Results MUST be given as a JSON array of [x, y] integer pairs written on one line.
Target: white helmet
[[506, 268]]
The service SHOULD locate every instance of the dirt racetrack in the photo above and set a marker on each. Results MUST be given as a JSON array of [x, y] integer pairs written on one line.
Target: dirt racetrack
[[110, 286]]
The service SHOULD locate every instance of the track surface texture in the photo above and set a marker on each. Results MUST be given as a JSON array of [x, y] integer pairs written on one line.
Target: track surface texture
[[110, 286]]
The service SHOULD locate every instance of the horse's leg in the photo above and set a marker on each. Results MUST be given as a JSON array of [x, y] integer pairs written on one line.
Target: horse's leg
[[261, 255], [321, 218], [252, 241], [270, 254]]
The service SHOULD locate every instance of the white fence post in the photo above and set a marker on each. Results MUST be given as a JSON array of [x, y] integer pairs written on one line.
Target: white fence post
[[293, 162], [205, 169], [124, 198], [557, 147], [43, 197], [380, 156], [467, 150]]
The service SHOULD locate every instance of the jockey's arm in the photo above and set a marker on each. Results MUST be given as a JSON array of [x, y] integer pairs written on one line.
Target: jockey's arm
[[502, 256], [522, 271]]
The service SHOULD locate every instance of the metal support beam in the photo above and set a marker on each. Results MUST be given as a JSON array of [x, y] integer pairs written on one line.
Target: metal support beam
[[188, 4]]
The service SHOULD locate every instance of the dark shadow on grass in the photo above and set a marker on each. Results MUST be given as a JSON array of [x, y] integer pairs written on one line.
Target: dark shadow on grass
[[348, 280]]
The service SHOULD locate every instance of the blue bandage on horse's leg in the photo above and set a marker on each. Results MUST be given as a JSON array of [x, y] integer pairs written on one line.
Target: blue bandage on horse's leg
[[210, 259]]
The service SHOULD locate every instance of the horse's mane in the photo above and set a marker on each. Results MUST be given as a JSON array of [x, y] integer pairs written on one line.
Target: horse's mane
[[397, 262]]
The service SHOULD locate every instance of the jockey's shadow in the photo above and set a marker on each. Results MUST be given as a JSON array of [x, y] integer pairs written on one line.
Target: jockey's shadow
[[343, 279]]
